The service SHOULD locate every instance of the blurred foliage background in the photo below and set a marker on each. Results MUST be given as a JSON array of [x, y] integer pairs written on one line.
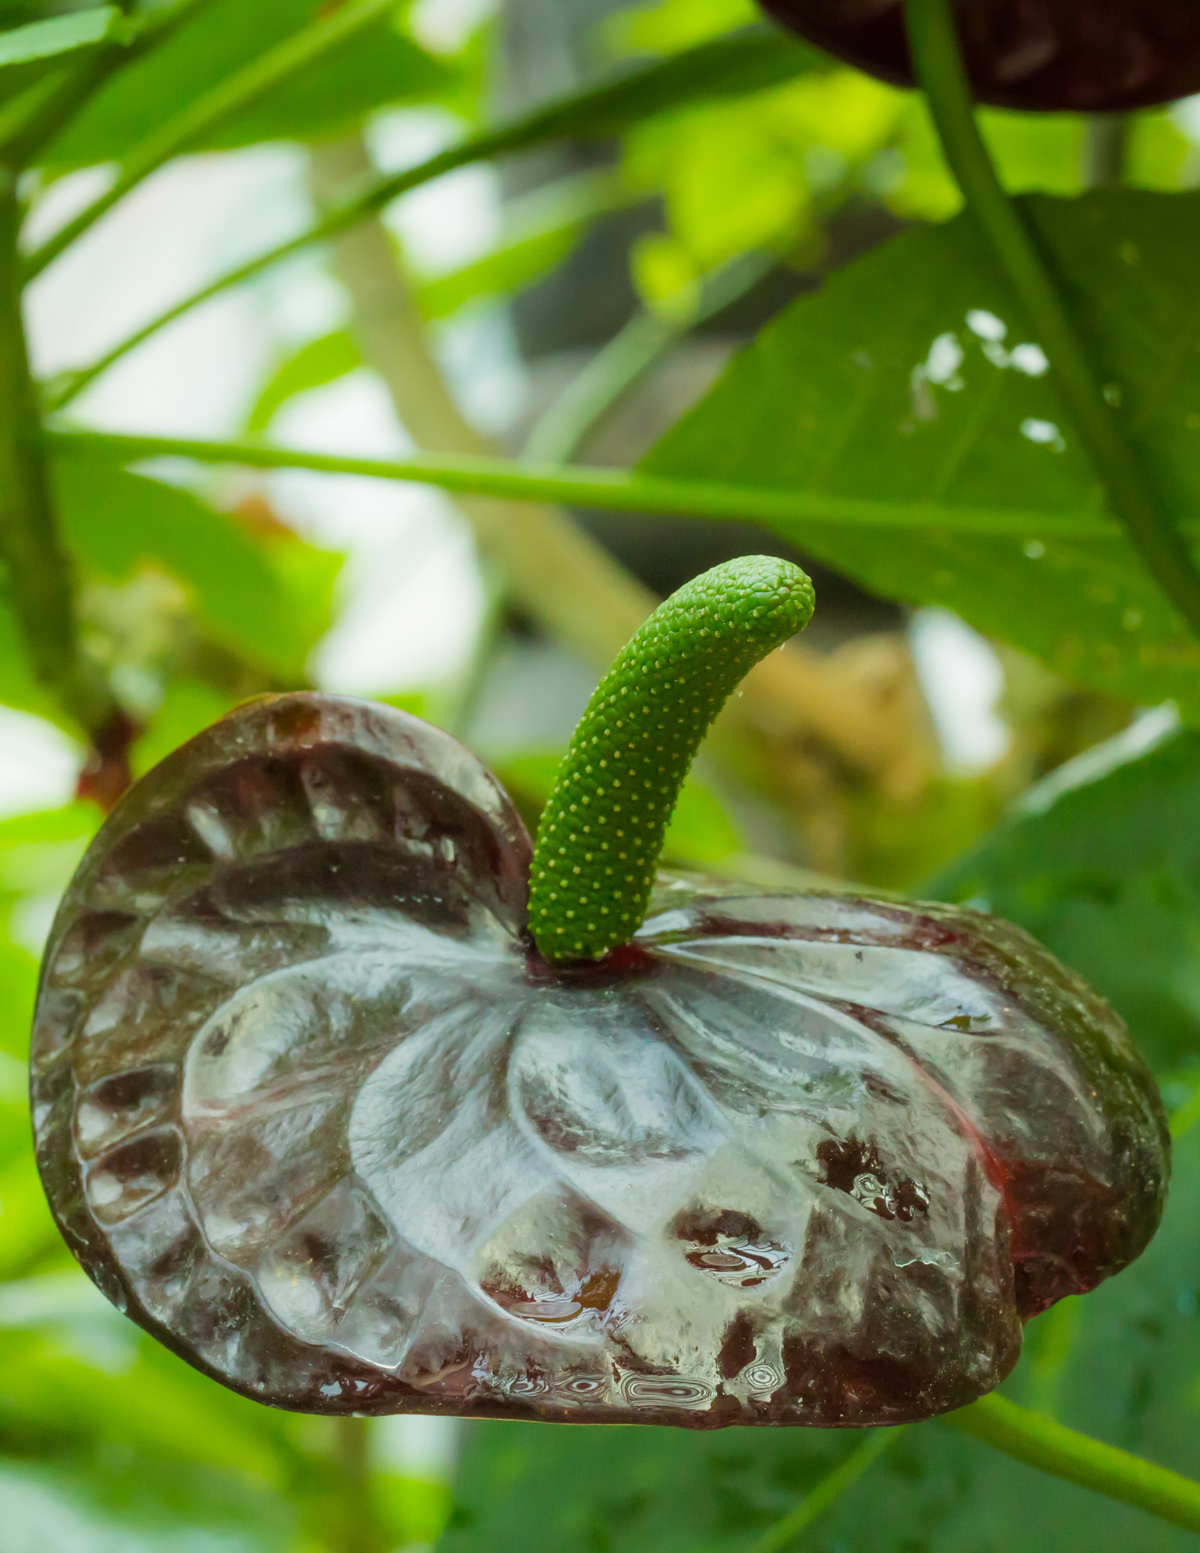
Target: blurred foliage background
[[996, 719]]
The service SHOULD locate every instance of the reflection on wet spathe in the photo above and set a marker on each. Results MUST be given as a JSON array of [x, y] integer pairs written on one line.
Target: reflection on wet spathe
[[1044, 433]]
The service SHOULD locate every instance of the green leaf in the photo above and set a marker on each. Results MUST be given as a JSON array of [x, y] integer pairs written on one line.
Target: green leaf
[[894, 383], [101, 1503], [18, 986], [1122, 1363], [628, 1490], [378, 67], [27, 1231], [266, 596], [541, 229], [39, 852], [188, 707], [312, 365], [25, 52], [61, 1341], [1101, 861]]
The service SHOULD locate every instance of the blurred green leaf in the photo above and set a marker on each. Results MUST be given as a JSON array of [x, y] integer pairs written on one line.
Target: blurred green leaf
[[28, 52], [18, 986], [378, 67], [1034, 152], [27, 1231], [60, 1339], [1122, 1363], [312, 365], [540, 230], [912, 376], [504, 270], [39, 852], [526, 1488], [265, 595], [1101, 861], [414, 1510], [105, 1502], [671, 25], [541, 236], [188, 707]]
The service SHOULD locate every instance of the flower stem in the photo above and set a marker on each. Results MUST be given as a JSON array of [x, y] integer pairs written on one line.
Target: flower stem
[[615, 490], [359, 1532], [40, 591], [939, 70], [602, 829], [827, 1492], [1052, 1447], [617, 365], [1106, 150]]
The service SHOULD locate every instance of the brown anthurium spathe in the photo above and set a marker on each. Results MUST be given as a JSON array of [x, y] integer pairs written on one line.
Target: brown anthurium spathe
[[313, 1110], [1083, 56]]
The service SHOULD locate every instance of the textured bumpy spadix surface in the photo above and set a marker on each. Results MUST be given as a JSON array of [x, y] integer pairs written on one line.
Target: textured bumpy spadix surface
[[309, 1109], [602, 830]]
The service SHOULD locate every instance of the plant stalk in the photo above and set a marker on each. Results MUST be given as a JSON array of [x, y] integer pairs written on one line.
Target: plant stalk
[[827, 1492], [1132, 499], [359, 1531], [39, 573], [1106, 150], [615, 490], [1051, 1447], [631, 352]]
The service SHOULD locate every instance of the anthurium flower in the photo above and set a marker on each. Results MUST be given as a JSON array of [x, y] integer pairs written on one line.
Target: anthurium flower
[[327, 1105]]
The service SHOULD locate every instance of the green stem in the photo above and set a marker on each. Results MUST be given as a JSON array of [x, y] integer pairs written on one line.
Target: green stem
[[358, 1527], [714, 69], [612, 489], [1051, 1447], [1106, 150], [602, 829], [591, 393], [827, 1492], [939, 69], [39, 577], [635, 348], [213, 108]]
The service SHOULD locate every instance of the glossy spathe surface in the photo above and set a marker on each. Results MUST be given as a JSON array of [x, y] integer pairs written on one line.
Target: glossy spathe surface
[[306, 1108], [1087, 56]]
